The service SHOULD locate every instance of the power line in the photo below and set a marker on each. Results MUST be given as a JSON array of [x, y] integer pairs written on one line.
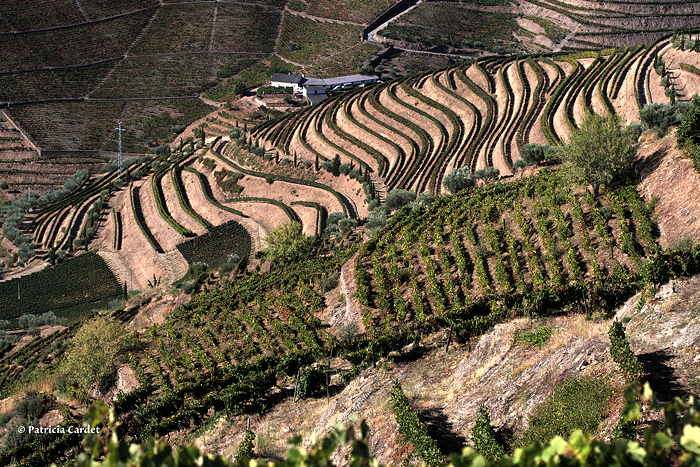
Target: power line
[[120, 155]]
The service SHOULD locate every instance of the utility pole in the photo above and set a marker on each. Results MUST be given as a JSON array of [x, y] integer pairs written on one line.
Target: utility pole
[[120, 155]]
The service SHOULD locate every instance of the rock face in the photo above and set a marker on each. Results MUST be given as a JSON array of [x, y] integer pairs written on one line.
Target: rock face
[[126, 380], [511, 380], [664, 332], [51, 418]]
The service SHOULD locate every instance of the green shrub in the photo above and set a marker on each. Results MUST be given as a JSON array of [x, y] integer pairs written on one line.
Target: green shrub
[[92, 356], [689, 132], [413, 429], [31, 406], [622, 354], [484, 436], [287, 242], [397, 198], [459, 179], [576, 404], [245, 450], [534, 337], [661, 117], [534, 154]]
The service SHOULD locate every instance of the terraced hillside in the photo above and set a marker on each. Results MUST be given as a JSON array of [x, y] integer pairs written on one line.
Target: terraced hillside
[[67, 78], [163, 213], [412, 132], [22, 168], [537, 25], [262, 344], [531, 245]]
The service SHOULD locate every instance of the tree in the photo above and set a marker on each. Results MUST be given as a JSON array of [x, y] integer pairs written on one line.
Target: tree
[[395, 199], [335, 165], [458, 180], [600, 153], [92, 356], [287, 242]]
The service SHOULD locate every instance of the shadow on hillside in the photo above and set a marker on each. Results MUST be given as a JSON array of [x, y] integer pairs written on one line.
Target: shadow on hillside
[[661, 375], [645, 166], [442, 431], [412, 355]]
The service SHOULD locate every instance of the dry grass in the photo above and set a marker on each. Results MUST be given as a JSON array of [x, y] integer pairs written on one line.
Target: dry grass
[[564, 329]]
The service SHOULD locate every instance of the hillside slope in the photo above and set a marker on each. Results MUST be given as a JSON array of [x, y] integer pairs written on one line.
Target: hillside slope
[[472, 27], [412, 132], [510, 379]]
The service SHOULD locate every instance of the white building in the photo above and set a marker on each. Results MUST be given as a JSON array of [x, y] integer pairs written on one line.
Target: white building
[[315, 89], [287, 80]]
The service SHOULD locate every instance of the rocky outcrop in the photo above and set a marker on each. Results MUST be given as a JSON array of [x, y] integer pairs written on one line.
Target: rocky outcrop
[[510, 379]]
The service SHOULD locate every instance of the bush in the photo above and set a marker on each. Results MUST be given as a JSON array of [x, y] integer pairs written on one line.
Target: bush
[[31, 406], [534, 154], [661, 117], [689, 132], [487, 173], [287, 243], [422, 202], [245, 450], [376, 219], [332, 221], [398, 198], [635, 129], [576, 404], [92, 356], [484, 436], [622, 354], [28, 321], [458, 180], [311, 380]]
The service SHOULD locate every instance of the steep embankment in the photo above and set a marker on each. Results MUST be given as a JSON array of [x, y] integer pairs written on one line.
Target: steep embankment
[[510, 379], [669, 177]]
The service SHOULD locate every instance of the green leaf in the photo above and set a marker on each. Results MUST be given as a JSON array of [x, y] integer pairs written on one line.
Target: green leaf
[[580, 444], [691, 439], [557, 446], [663, 441]]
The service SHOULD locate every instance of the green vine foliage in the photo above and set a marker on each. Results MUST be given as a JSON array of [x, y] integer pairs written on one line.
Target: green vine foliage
[[413, 429], [245, 450], [622, 354], [484, 436], [676, 443]]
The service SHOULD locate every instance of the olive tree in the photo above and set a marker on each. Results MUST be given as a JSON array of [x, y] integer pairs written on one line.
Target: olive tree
[[600, 153], [287, 242]]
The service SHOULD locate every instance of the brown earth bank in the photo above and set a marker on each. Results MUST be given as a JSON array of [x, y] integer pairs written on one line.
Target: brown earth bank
[[669, 179], [511, 380]]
